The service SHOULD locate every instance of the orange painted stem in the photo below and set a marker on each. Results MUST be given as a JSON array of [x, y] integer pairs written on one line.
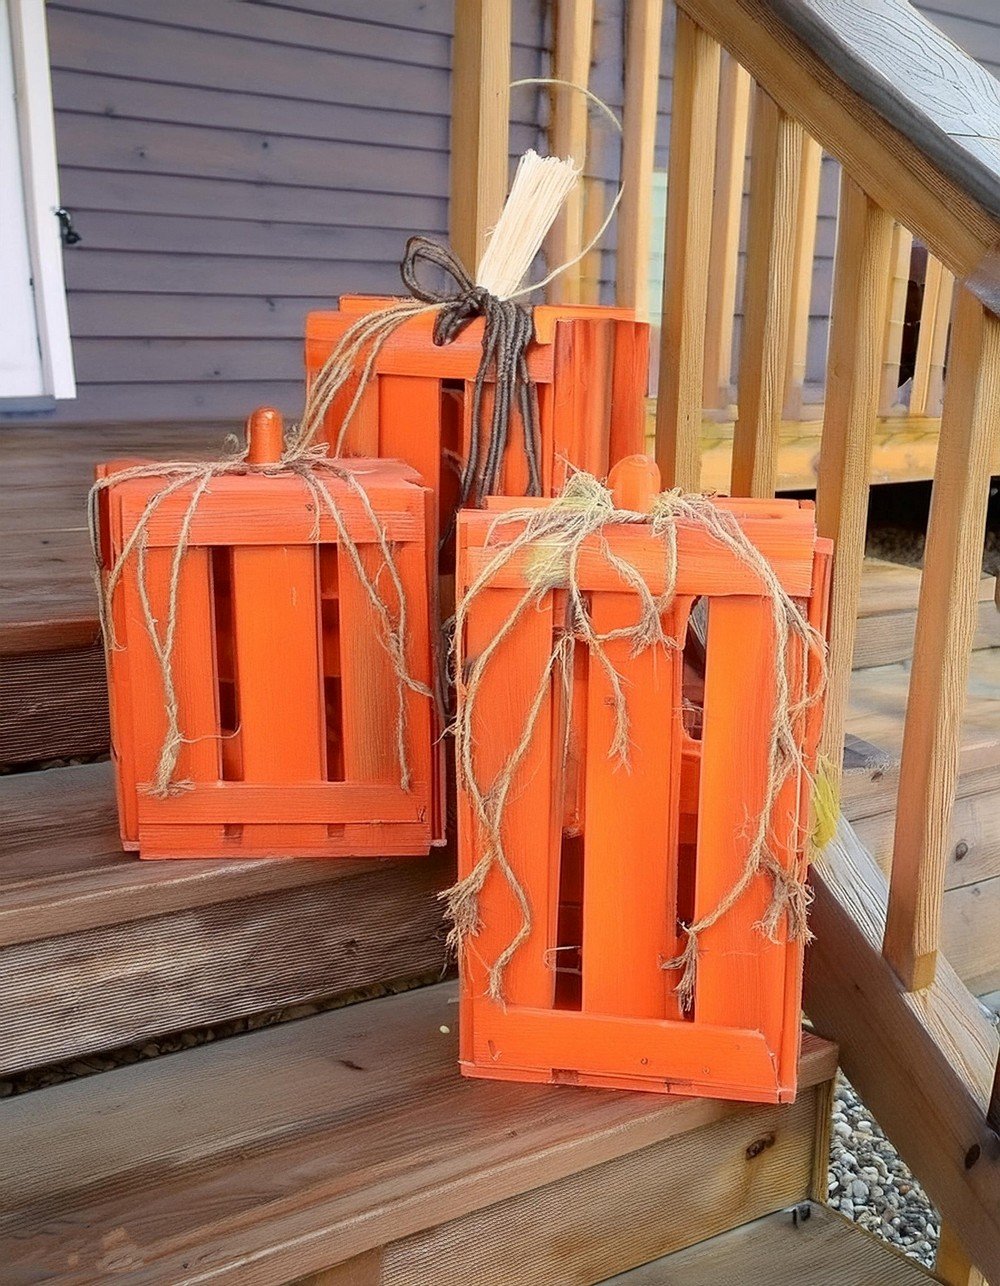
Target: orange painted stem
[[635, 483], [265, 436]]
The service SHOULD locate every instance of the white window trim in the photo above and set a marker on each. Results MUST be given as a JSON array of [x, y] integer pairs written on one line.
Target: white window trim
[[36, 131]]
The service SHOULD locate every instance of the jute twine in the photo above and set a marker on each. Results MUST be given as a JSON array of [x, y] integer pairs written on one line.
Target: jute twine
[[315, 470], [555, 536]]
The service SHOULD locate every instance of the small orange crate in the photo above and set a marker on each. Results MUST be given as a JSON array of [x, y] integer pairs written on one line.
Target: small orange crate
[[614, 860], [590, 366], [287, 700]]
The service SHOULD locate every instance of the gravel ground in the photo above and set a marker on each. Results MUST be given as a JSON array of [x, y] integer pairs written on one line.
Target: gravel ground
[[871, 1185]]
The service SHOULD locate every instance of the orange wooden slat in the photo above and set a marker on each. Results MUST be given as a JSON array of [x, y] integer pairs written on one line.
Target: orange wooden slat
[[630, 829], [683, 1055], [510, 682], [279, 676], [740, 977], [192, 669]]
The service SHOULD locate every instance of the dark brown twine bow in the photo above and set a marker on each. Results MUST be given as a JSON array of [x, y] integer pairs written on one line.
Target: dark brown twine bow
[[508, 331]]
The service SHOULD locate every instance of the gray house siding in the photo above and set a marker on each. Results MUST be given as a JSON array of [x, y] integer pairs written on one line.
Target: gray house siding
[[231, 165]]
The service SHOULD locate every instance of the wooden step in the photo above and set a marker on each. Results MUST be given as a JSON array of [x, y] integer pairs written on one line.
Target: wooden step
[[99, 949], [53, 701], [349, 1138], [809, 1245], [887, 614]]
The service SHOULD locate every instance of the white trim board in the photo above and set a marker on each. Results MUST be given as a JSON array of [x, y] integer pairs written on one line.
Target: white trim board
[[32, 93]]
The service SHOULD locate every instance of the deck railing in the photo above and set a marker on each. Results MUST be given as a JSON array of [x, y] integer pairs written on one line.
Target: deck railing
[[914, 125]]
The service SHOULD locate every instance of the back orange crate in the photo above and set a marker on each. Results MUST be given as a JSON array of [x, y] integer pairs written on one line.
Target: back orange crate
[[590, 366], [287, 699], [613, 860]]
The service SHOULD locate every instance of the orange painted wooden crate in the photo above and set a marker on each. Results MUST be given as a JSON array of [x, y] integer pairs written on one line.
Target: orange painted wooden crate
[[287, 700], [590, 366], [614, 861]]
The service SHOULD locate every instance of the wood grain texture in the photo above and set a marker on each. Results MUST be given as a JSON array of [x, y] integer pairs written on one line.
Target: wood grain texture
[[937, 1118], [946, 619], [639, 120], [768, 291], [796, 367], [892, 337], [53, 705], [294, 1148], [595, 1223], [63, 870], [918, 79], [571, 58], [480, 108], [857, 322], [812, 1244], [119, 984], [945, 195], [727, 211], [687, 252]]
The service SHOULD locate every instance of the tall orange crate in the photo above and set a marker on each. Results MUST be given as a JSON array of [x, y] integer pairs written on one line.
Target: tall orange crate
[[613, 861], [288, 702], [589, 364]]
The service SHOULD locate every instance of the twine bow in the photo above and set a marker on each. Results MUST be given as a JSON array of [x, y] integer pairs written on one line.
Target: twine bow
[[508, 331]]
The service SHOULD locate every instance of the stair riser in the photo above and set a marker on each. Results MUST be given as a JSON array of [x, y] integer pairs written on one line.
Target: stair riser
[[53, 705], [83, 992]]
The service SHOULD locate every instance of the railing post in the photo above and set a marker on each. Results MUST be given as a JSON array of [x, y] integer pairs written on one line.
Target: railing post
[[642, 84], [480, 111], [686, 254], [946, 621], [861, 268], [727, 212], [775, 167], [568, 137]]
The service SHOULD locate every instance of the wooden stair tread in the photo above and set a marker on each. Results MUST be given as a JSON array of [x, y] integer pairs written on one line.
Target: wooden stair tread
[[62, 868], [289, 1149], [99, 949], [877, 705], [46, 588], [783, 1249]]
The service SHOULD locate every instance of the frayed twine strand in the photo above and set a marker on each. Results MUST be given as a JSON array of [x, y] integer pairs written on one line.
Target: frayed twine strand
[[555, 536], [314, 469]]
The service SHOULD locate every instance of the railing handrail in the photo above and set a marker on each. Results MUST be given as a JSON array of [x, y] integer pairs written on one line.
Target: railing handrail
[[938, 97], [919, 129]]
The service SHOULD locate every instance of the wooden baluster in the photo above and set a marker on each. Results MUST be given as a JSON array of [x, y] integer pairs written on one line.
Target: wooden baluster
[[767, 296], [686, 254], [939, 350], [925, 335], [857, 325], [946, 620], [480, 112], [727, 211], [592, 263], [642, 84], [952, 1265], [568, 137], [898, 279], [932, 340], [805, 254]]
